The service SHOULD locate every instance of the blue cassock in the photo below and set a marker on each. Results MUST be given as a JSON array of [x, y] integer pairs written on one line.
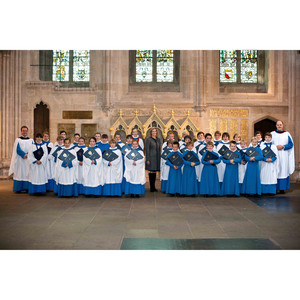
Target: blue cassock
[[174, 184], [230, 185], [189, 179], [103, 147], [251, 184], [209, 184]]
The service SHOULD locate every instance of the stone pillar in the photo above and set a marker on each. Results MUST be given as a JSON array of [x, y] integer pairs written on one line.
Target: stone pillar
[[10, 87], [296, 113]]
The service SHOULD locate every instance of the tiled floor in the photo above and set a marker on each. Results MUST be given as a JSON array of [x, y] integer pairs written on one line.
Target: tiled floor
[[48, 222]]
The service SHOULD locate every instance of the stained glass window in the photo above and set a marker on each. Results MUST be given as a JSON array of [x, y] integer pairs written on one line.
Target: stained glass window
[[144, 65], [154, 66], [249, 66], [71, 65], [81, 65], [60, 65], [228, 62], [238, 66], [164, 71]]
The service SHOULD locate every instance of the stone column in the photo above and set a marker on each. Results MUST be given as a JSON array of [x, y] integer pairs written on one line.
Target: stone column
[[10, 86]]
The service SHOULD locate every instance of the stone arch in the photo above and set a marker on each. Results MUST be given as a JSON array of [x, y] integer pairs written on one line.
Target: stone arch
[[264, 124]]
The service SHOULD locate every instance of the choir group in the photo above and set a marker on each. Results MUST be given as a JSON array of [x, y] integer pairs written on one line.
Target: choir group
[[209, 166]]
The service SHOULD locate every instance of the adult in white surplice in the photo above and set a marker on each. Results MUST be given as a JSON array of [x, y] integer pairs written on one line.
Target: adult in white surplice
[[286, 157], [19, 161]]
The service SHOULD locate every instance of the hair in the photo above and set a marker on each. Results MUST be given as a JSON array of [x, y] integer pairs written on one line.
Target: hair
[[91, 138], [129, 136], [24, 126], [45, 132], [243, 142], [210, 143], [76, 134], [170, 142], [59, 138], [39, 135], [233, 142], [258, 132], [208, 134], [171, 132], [117, 134], [82, 138], [253, 138], [225, 134], [236, 135], [104, 136], [175, 143], [67, 139], [134, 129], [150, 131], [189, 143], [268, 134], [200, 132], [63, 132], [280, 121], [188, 137], [217, 132], [112, 141], [135, 141], [98, 133]]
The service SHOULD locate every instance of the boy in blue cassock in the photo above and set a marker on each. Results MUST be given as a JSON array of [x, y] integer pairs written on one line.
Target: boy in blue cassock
[[174, 184], [231, 184], [251, 184], [209, 184], [189, 177]]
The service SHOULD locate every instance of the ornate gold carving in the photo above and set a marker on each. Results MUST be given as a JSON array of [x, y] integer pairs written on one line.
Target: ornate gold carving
[[219, 112], [223, 125], [233, 127], [212, 126], [244, 129], [154, 120]]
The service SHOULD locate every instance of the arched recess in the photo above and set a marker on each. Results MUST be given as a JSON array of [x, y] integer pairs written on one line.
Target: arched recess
[[265, 124], [41, 118]]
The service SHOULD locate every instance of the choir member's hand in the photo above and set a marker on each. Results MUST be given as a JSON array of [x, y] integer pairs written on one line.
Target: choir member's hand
[[243, 162], [252, 158], [232, 162], [109, 163], [134, 163], [92, 162], [148, 162], [80, 163], [38, 162], [211, 161], [192, 164], [280, 147], [269, 160], [175, 167], [67, 165], [25, 156]]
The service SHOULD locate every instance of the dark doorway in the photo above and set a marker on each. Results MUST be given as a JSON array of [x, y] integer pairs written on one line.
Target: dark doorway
[[41, 118], [265, 125]]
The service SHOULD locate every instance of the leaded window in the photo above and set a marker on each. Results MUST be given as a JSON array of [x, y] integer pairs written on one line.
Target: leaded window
[[239, 66]]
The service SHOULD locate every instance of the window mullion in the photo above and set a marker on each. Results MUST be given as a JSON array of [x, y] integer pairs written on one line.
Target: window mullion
[[238, 66], [154, 65], [71, 66]]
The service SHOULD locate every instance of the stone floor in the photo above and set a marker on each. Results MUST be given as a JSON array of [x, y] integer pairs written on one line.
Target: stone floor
[[48, 222]]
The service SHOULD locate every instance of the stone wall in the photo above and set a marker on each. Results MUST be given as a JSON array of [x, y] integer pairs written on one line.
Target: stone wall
[[109, 91]]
